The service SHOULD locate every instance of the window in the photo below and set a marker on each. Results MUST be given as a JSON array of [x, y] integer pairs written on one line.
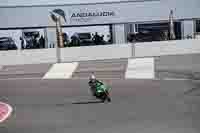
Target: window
[[87, 35], [136, 28], [198, 26], [148, 32]]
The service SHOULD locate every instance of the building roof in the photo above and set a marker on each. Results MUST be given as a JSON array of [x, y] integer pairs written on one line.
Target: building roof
[[25, 3]]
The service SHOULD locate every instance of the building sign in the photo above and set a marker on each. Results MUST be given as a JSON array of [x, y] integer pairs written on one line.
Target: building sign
[[92, 14], [88, 16]]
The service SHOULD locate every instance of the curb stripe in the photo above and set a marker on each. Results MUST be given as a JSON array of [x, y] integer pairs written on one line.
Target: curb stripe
[[10, 110]]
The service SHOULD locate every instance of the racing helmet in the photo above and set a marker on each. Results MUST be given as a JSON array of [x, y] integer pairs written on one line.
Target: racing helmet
[[92, 77]]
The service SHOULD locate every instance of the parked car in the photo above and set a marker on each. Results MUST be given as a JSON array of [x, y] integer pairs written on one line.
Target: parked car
[[7, 43], [85, 39], [147, 36]]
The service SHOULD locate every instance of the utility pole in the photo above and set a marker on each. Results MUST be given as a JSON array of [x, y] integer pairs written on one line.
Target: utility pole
[[171, 25], [56, 16]]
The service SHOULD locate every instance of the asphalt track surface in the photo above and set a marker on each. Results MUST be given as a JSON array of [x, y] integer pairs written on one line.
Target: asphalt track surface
[[138, 106], [110, 69], [172, 66], [24, 71], [178, 66]]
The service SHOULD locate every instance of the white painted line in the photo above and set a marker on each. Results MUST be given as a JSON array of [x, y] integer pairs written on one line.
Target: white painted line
[[19, 78], [83, 78], [175, 79], [142, 68], [8, 113], [61, 71], [170, 79]]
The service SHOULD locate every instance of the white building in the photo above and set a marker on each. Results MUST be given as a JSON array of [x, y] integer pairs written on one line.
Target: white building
[[120, 17]]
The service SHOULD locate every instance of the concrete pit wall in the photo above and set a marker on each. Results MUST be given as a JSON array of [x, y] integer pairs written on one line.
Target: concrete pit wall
[[115, 51], [178, 47], [18, 57], [96, 52]]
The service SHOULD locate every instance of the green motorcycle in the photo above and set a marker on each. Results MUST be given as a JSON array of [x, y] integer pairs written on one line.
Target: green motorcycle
[[102, 92]]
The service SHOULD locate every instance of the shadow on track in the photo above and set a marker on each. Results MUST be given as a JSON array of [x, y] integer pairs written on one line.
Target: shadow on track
[[193, 92], [88, 102]]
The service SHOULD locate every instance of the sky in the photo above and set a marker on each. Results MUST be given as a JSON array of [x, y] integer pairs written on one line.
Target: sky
[[45, 2]]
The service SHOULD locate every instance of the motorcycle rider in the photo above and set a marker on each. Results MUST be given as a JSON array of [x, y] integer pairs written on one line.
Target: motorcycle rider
[[93, 83]]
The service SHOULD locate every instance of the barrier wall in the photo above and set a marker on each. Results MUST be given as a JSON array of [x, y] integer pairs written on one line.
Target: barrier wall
[[102, 52], [96, 52], [149, 49], [16, 57]]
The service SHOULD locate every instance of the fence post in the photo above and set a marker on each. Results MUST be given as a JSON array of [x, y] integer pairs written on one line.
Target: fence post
[[58, 55], [133, 50]]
